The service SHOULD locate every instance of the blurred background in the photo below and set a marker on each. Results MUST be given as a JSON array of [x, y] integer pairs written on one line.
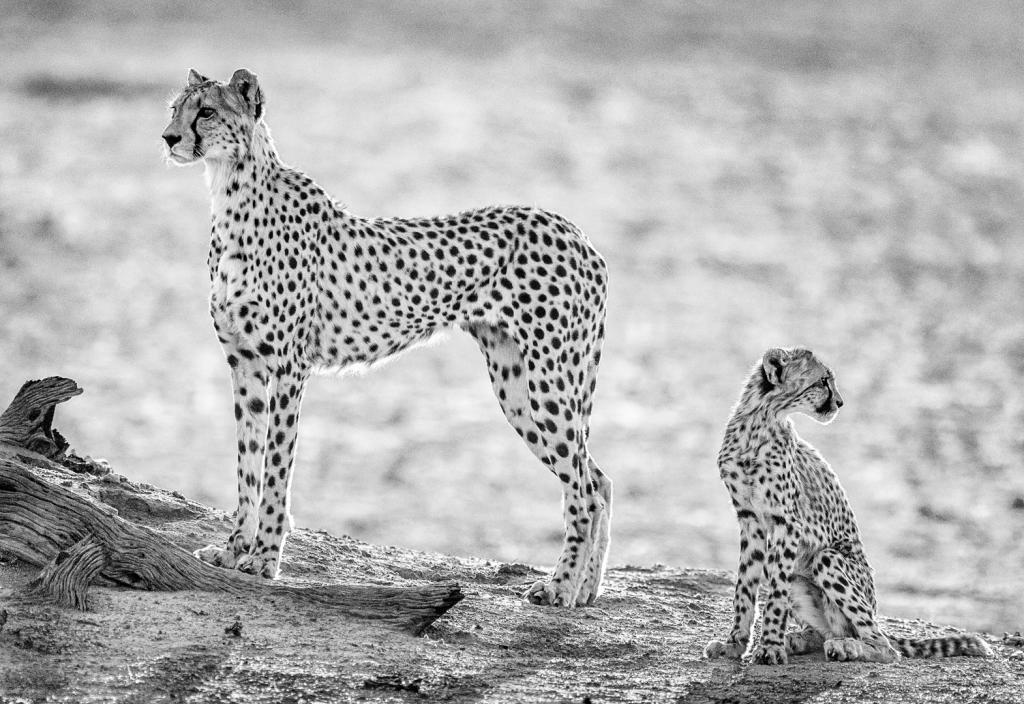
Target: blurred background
[[848, 177]]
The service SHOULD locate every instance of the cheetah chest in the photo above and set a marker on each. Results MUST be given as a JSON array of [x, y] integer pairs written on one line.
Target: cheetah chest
[[760, 479], [226, 280], [230, 303]]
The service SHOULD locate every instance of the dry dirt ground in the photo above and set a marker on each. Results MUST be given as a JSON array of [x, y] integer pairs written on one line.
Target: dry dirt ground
[[846, 175], [641, 643]]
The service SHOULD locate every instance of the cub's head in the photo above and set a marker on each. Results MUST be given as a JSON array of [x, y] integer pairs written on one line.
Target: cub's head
[[213, 120], [795, 381]]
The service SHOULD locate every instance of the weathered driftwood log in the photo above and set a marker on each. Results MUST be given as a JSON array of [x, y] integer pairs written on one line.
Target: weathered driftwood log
[[28, 421], [48, 519]]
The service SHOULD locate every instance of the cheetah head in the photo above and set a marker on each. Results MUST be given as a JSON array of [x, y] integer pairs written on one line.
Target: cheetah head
[[212, 120], [796, 381]]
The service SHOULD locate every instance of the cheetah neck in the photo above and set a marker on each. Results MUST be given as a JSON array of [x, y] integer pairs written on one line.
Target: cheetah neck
[[757, 399], [755, 417], [227, 178]]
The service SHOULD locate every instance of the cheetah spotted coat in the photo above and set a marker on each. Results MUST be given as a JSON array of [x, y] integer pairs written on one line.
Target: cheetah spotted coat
[[300, 285], [798, 530]]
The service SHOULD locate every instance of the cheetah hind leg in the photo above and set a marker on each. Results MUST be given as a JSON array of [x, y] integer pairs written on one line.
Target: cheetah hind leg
[[558, 414], [857, 649], [508, 373], [601, 518], [600, 530], [828, 629], [850, 628], [808, 608]]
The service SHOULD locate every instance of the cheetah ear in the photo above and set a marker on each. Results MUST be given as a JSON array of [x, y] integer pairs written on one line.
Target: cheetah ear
[[248, 86], [774, 363], [195, 78]]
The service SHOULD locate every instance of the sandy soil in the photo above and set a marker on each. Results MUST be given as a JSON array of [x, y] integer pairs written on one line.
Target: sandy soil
[[848, 176], [641, 643]]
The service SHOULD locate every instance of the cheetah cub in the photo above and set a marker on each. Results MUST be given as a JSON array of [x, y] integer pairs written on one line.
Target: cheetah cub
[[797, 527], [300, 285]]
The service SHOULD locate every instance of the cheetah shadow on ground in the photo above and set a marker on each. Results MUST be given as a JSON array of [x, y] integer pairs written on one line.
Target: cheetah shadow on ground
[[759, 685]]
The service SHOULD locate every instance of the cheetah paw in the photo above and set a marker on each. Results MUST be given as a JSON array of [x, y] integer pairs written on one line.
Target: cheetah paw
[[550, 594], [717, 649], [805, 641], [217, 556], [844, 649], [771, 655], [261, 566], [586, 597], [590, 588], [880, 652], [589, 591], [886, 654]]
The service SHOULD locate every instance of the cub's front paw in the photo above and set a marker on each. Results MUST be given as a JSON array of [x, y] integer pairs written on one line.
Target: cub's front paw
[[550, 594], [217, 556], [731, 649], [771, 655], [259, 565]]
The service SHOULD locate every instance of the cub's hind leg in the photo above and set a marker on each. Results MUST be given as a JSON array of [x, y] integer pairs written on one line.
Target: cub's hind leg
[[849, 608], [249, 384], [807, 603], [851, 613]]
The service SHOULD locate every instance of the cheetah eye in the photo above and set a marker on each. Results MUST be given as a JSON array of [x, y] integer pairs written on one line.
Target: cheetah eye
[[823, 381], [205, 113]]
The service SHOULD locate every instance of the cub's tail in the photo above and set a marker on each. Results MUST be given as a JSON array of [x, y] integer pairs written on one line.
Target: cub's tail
[[944, 647]]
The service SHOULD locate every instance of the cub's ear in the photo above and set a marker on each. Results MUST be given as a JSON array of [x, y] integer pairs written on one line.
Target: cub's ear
[[774, 364], [195, 78], [248, 86]]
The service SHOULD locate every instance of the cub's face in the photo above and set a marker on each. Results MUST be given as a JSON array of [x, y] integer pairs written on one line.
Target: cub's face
[[801, 383], [213, 120]]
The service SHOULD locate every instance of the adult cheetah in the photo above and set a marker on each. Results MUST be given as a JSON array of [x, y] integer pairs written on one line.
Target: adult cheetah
[[797, 527], [301, 285]]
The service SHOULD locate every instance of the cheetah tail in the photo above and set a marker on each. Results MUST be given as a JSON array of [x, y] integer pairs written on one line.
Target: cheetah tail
[[945, 647]]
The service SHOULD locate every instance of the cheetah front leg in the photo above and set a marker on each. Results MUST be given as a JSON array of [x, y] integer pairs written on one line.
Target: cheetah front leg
[[748, 578], [249, 384], [275, 518], [781, 563]]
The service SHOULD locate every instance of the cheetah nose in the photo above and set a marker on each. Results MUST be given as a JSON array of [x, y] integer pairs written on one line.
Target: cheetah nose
[[172, 139], [839, 402]]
